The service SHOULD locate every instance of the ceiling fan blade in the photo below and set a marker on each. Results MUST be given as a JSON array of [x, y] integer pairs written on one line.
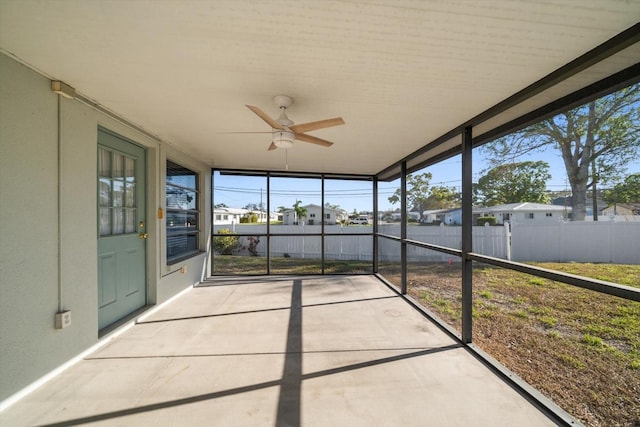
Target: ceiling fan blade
[[313, 140], [233, 133], [320, 124], [272, 147], [265, 117]]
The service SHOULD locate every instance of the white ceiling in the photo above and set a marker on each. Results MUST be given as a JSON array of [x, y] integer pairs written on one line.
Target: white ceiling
[[400, 72]]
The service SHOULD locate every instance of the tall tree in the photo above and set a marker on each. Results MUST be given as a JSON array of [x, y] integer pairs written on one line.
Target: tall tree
[[301, 211], [421, 196], [624, 192], [417, 193], [441, 197], [513, 183], [596, 141]]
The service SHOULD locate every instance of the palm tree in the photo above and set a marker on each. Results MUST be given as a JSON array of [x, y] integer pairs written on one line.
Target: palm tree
[[301, 212]]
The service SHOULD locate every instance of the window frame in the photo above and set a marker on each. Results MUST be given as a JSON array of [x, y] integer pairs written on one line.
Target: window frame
[[193, 230]]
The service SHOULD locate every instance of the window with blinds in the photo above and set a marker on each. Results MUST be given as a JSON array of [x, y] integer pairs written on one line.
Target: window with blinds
[[183, 212]]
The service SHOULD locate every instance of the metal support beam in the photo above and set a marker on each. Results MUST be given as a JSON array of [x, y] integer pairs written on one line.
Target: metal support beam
[[403, 228], [322, 223], [376, 216], [467, 230], [268, 249]]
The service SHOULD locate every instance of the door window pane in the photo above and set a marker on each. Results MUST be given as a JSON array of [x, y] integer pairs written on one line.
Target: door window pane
[[130, 220], [105, 221], [105, 191], [118, 221], [130, 192], [129, 169], [116, 190], [118, 193], [118, 166], [104, 162]]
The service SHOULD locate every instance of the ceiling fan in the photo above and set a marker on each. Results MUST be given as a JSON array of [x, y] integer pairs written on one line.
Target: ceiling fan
[[284, 131]]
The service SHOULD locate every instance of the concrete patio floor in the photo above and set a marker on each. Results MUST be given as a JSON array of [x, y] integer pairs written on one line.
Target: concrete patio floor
[[308, 351]]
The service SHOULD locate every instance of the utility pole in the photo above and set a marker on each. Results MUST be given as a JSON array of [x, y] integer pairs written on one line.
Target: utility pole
[[594, 190], [261, 205]]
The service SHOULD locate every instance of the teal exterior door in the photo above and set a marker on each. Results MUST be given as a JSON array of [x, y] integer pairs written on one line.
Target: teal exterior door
[[121, 228]]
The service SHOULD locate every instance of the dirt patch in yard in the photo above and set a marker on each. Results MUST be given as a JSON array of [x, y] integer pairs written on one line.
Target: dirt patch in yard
[[578, 347]]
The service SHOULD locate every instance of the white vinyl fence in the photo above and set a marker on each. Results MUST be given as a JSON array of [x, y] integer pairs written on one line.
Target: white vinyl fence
[[492, 241], [601, 241]]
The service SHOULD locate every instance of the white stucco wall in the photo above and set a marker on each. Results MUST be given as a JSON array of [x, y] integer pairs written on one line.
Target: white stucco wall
[[42, 251]]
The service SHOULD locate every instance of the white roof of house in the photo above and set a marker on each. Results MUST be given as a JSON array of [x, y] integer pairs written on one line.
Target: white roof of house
[[440, 211], [311, 205], [524, 206], [235, 211]]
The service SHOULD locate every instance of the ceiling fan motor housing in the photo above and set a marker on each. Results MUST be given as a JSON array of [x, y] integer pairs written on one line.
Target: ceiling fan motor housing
[[283, 138]]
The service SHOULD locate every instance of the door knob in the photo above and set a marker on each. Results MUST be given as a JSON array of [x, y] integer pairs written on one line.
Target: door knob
[[143, 235]]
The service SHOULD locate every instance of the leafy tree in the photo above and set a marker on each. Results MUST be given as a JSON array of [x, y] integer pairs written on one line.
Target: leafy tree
[[301, 212], [281, 209], [341, 214], [421, 197], [252, 207], [227, 243], [513, 183], [596, 141], [249, 218], [442, 197], [220, 205], [624, 192], [417, 193]]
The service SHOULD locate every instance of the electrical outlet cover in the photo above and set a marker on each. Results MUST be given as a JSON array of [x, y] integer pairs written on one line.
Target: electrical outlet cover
[[63, 319]]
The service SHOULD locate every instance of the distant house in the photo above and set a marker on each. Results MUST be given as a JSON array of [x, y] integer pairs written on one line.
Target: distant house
[[623, 209], [413, 215], [223, 216], [452, 216], [314, 216], [524, 213], [566, 201]]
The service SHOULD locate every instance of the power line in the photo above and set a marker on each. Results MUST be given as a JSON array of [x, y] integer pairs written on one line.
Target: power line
[[357, 191]]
